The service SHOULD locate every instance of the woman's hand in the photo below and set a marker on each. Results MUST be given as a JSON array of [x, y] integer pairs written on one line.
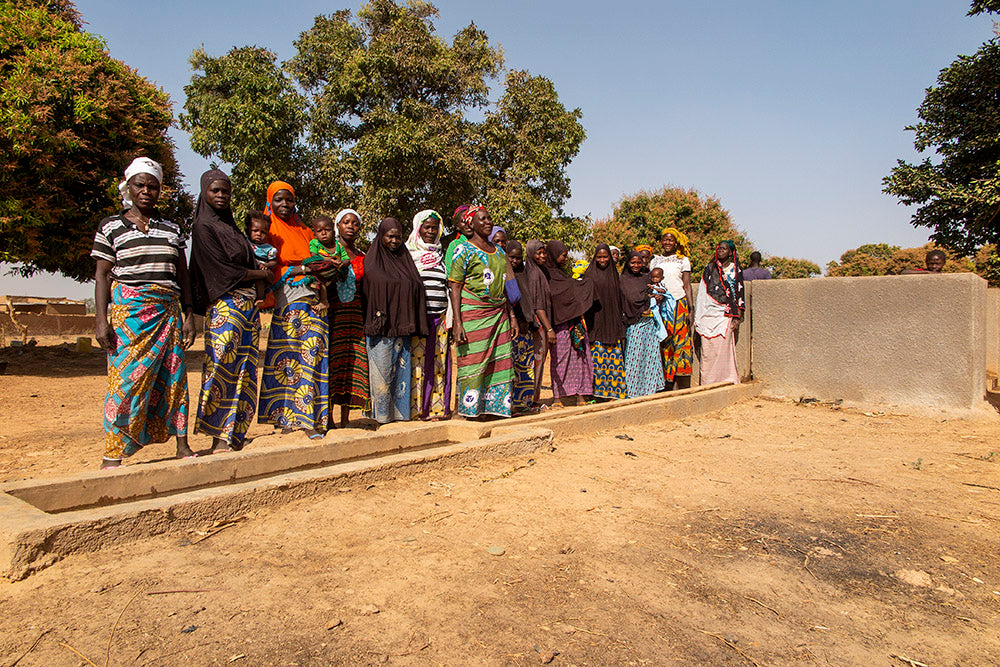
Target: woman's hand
[[550, 336], [459, 332], [106, 335], [187, 331]]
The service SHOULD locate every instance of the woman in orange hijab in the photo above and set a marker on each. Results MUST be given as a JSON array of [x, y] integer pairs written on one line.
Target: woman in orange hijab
[[294, 386]]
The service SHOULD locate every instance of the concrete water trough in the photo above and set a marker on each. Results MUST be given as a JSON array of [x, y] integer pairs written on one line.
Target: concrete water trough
[[43, 520]]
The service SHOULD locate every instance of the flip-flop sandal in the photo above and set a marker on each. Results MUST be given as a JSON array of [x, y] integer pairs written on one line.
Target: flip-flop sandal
[[223, 450], [192, 456]]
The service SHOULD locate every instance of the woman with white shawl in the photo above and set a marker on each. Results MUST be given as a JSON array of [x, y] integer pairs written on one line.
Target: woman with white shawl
[[430, 358]]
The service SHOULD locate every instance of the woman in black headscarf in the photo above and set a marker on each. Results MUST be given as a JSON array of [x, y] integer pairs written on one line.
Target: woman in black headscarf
[[718, 313], [396, 311], [571, 367], [606, 326], [536, 278], [643, 366], [522, 346], [223, 271]]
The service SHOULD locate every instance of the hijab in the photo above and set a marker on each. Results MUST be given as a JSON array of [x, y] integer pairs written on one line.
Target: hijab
[[425, 255], [607, 324], [635, 290], [396, 305], [496, 230], [525, 306], [570, 298], [719, 288], [537, 279], [290, 238], [347, 284], [220, 254]]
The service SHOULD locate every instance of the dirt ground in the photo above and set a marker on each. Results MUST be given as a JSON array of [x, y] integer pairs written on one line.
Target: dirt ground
[[770, 533]]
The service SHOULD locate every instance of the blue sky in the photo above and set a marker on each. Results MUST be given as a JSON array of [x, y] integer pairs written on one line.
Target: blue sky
[[790, 112]]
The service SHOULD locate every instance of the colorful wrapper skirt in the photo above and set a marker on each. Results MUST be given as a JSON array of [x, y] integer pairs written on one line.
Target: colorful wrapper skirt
[[348, 355], [294, 385], [571, 369], [678, 348], [523, 349], [485, 370], [389, 378], [430, 359], [228, 400], [643, 375], [609, 370], [147, 397]]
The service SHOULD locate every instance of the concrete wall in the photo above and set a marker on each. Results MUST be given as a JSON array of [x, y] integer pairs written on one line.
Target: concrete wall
[[911, 340], [993, 331]]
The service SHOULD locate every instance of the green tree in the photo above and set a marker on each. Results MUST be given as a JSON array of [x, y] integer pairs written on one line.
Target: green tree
[[243, 109], [787, 267], [882, 259], [701, 218], [958, 193], [398, 119], [984, 7], [71, 120]]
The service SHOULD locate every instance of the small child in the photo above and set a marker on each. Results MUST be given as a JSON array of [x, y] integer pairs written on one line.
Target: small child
[[663, 311], [258, 225], [323, 248]]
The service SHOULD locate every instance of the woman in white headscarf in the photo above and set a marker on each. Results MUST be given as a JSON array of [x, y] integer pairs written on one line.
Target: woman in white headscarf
[[143, 300], [430, 384], [349, 385]]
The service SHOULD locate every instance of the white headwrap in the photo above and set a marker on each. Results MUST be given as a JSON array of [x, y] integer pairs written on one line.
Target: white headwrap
[[425, 255], [140, 165], [340, 216]]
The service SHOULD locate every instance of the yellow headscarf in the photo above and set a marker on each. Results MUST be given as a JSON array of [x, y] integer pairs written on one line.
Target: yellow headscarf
[[682, 240]]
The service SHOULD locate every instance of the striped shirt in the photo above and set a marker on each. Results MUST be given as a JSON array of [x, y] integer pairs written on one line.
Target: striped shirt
[[140, 259], [436, 286]]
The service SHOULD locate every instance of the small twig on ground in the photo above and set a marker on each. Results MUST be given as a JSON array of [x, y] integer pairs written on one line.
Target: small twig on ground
[[911, 663], [710, 509], [805, 566], [982, 486], [180, 590], [730, 645], [823, 539], [756, 601], [111, 635], [30, 648], [78, 653], [215, 530], [431, 515], [877, 516], [841, 480]]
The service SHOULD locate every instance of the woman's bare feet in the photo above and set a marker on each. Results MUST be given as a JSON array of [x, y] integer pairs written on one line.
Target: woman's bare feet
[[219, 445], [183, 451]]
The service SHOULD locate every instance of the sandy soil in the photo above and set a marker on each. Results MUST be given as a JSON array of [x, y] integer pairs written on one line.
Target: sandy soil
[[769, 533]]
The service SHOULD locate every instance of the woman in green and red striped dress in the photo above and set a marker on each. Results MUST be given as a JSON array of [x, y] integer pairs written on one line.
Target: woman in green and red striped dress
[[483, 321]]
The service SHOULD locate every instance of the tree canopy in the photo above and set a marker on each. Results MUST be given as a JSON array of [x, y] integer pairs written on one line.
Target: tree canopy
[[380, 113], [787, 267], [639, 218], [71, 120], [958, 192], [882, 259]]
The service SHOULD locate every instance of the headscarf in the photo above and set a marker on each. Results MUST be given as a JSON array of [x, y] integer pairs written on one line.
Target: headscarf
[[454, 234], [496, 230], [570, 298], [606, 325], [347, 286], [396, 304], [635, 291], [537, 278], [220, 254], [527, 311], [425, 255], [290, 238], [140, 165], [683, 246], [718, 287], [648, 248], [470, 213]]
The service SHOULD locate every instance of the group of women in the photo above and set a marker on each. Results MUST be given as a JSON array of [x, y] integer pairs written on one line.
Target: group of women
[[384, 344]]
